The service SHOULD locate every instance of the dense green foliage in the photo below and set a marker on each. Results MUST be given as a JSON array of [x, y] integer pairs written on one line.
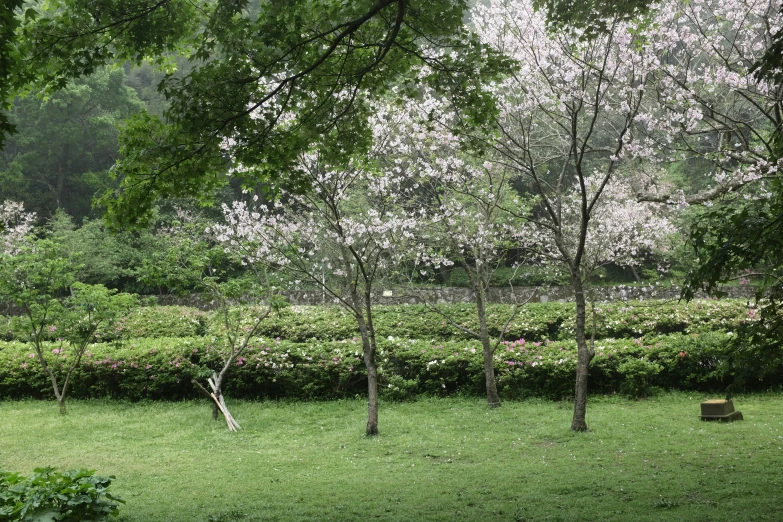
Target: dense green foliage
[[72, 496], [9, 60], [744, 239], [66, 143], [593, 17]]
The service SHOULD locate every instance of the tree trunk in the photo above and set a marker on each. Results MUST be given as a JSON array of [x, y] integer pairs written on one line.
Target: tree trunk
[[60, 396], [579, 422], [368, 349], [372, 394], [493, 400], [62, 172]]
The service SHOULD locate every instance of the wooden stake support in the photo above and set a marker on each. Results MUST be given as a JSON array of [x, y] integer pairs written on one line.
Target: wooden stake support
[[233, 425]]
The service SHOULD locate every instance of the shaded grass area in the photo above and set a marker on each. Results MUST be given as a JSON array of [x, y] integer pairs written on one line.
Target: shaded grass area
[[435, 460]]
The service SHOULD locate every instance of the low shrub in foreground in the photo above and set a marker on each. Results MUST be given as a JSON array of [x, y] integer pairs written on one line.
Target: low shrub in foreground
[[72, 496], [162, 369]]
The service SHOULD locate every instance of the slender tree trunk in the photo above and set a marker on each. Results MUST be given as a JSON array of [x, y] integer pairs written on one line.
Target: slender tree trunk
[[368, 348], [360, 308], [52, 378], [493, 400], [372, 393], [62, 172], [372, 369], [579, 422]]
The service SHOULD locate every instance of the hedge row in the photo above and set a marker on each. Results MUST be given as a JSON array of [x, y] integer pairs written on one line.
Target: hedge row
[[163, 368], [533, 322]]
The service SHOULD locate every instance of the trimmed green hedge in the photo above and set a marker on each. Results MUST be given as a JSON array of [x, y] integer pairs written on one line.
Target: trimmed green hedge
[[143, 322], [163, 368], [533, 322]]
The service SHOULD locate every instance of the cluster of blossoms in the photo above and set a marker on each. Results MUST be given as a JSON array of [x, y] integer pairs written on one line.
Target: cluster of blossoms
[[15, 225]]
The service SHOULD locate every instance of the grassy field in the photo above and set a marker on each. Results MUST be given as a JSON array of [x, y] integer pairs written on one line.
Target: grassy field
[[436, 460]]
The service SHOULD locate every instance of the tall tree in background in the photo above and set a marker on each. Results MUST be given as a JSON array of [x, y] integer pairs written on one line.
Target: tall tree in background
[[66, 143], [9, 60]]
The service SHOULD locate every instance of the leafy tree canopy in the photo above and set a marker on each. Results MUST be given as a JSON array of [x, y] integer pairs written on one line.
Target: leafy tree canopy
[[269, 81], [591, 16], [8, 60]]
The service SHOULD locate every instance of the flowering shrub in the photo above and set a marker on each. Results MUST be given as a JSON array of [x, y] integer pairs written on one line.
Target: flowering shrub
[[162, 368]]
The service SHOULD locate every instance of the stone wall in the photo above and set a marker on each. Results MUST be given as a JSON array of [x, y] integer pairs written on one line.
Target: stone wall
[[459, 295], [465, 295]]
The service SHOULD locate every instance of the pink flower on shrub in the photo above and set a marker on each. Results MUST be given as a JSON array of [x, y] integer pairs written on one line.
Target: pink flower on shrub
[[52, 329], [114, 366], [31, 355], [57, 351], [24, 365], [148, 366]]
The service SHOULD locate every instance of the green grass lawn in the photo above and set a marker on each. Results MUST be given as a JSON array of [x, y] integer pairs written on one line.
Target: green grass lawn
[[444, 460]]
